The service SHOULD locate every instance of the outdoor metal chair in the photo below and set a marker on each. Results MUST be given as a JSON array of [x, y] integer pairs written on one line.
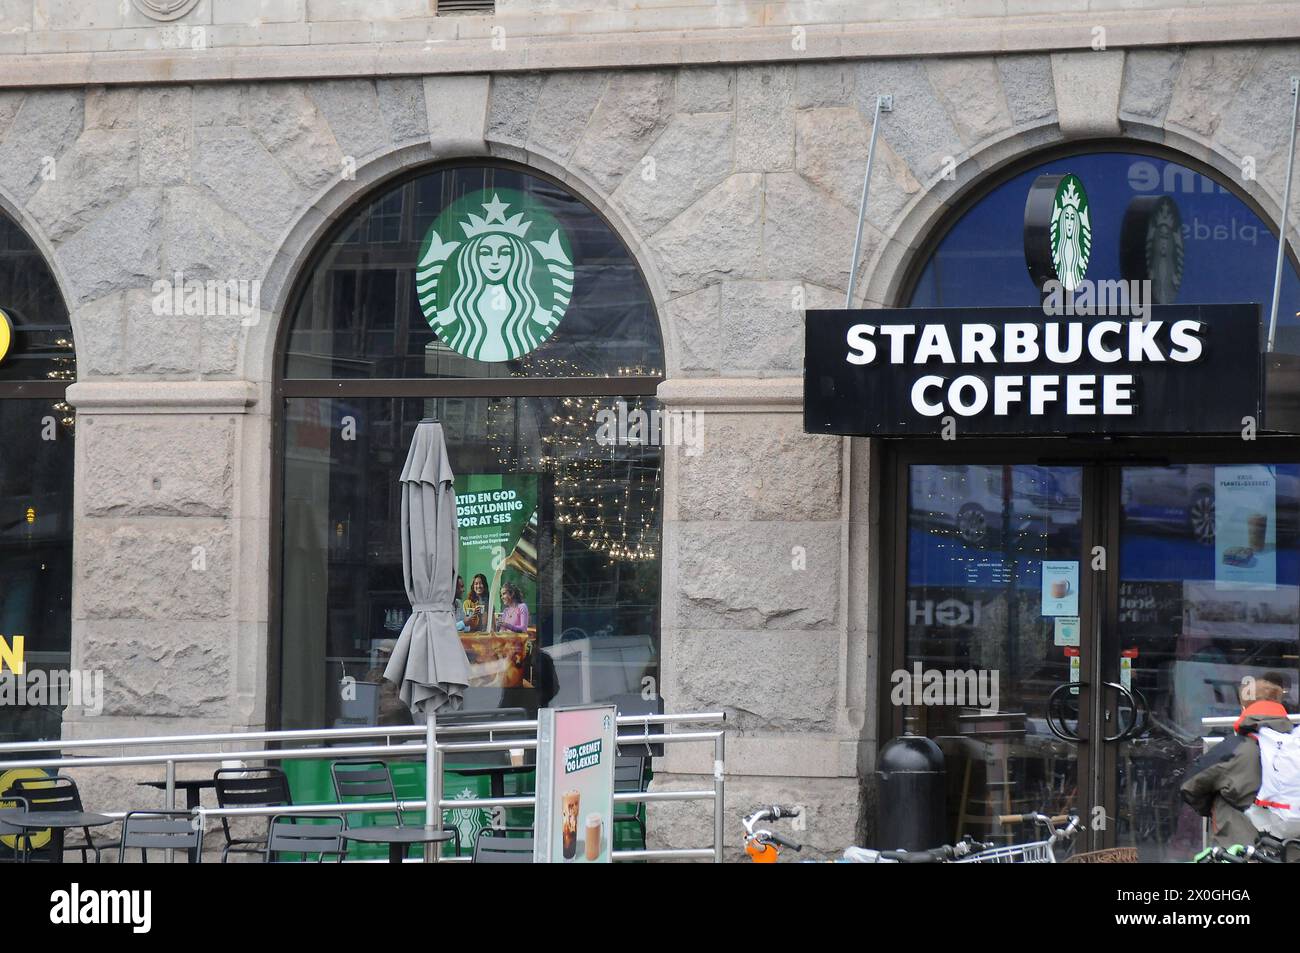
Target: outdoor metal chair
[[304, 835], [161, 830], [629, 777], [58, 793], [10, 800], [267, 787], [363, 779], [495, 846], [357, 780]]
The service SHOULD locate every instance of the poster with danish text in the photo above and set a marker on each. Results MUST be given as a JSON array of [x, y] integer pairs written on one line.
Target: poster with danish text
[[496, 589], [1245, 527], [575, 785]]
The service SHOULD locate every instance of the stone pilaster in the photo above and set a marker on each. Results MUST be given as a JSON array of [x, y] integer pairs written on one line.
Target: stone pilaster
[[170, 574], [755, 616]]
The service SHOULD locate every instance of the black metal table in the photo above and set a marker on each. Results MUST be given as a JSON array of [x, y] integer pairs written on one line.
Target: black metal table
[[56, 821], [398, 839], [191, 787]]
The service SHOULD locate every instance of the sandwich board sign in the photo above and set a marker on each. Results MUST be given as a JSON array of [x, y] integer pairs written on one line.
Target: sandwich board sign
[[576, 748]]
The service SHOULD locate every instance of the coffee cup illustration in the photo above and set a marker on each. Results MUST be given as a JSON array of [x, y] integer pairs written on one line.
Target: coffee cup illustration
[[1256, 530], [1060, 588]]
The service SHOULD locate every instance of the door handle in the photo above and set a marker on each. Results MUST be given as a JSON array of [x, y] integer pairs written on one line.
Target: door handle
[[1061, 731], [1127, 732]]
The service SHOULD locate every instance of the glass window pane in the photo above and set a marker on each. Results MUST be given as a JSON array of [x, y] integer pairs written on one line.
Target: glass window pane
[[1208, 618], [35, 561], [361, 314], [983, 651], [583, 552], [1223, 252], [41, 347]]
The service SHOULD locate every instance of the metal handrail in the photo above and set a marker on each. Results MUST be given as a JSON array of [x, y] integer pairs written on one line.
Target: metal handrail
[[418, 804], [1227, 721], [325, 734], [427, 745]]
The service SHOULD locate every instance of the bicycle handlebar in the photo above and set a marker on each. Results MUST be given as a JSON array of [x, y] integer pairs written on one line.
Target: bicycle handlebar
[[937, 855], [1005, 819], [783, 841]]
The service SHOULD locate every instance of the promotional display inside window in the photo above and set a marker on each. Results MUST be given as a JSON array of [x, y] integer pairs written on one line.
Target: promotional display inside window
[[498, 565]]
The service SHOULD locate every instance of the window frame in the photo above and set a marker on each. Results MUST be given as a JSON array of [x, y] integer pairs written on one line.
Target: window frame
[[284, 388]]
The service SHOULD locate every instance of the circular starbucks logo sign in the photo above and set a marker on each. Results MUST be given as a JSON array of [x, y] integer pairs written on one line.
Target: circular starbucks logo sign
[[495, 275], [1071, 232]]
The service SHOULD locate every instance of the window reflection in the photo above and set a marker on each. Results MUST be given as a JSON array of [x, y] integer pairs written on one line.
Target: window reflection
[[583, 559], [978, 538], [35, 486], [35, 559], [1195, 240], [1209, 616]]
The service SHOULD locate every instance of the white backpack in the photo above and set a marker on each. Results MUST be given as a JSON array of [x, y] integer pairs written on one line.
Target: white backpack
[[1279, 792]]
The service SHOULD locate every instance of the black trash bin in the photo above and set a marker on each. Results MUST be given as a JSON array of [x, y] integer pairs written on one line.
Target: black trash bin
[[911, 797]]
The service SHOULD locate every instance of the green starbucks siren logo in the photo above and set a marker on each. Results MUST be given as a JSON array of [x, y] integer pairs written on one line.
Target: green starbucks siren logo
[[1071, 232], [494, 296]]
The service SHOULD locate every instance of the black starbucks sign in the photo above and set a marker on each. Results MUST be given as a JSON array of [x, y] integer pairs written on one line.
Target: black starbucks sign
[[1008, 371]]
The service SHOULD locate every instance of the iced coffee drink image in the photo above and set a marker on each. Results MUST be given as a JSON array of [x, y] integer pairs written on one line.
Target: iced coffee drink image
[[1256, 531], [569, 804], [591, 834]]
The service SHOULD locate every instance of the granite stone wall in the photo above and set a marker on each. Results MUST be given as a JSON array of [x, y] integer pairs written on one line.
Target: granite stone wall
[[737, 190]]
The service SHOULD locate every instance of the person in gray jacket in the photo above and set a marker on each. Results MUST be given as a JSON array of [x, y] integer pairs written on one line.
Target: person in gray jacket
[[1229, 776]]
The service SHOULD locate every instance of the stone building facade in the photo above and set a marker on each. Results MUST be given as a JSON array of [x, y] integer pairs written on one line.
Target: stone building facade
[[725, 143]]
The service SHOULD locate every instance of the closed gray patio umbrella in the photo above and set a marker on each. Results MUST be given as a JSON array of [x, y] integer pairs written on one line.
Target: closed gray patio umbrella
[[428, 662]]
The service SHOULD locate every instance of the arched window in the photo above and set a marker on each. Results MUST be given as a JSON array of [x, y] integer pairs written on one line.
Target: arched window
[[495, 300], [37, 363], [1205, 244]]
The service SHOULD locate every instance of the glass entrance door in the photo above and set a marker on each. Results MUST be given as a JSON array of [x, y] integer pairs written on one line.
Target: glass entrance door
[[1064, 630], [995, 605], [1205, 619]]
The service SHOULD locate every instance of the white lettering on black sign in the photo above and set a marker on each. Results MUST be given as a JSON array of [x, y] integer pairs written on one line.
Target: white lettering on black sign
[[1013, 371], [1063, 343]]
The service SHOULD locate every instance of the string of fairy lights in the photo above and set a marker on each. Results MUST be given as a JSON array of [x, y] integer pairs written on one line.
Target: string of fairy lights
[[606, 493], [65, 369]]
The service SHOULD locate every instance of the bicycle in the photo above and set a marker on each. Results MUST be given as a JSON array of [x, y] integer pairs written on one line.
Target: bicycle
[[1267, 849], [1033, 852], [763, 846]]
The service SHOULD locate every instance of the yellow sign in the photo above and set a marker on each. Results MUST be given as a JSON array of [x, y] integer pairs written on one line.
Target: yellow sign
[[6, 334], [39, 838], [11, 654]]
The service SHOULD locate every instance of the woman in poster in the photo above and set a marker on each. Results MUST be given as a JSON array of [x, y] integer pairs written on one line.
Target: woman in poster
[[514, 611], [476, 607]]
